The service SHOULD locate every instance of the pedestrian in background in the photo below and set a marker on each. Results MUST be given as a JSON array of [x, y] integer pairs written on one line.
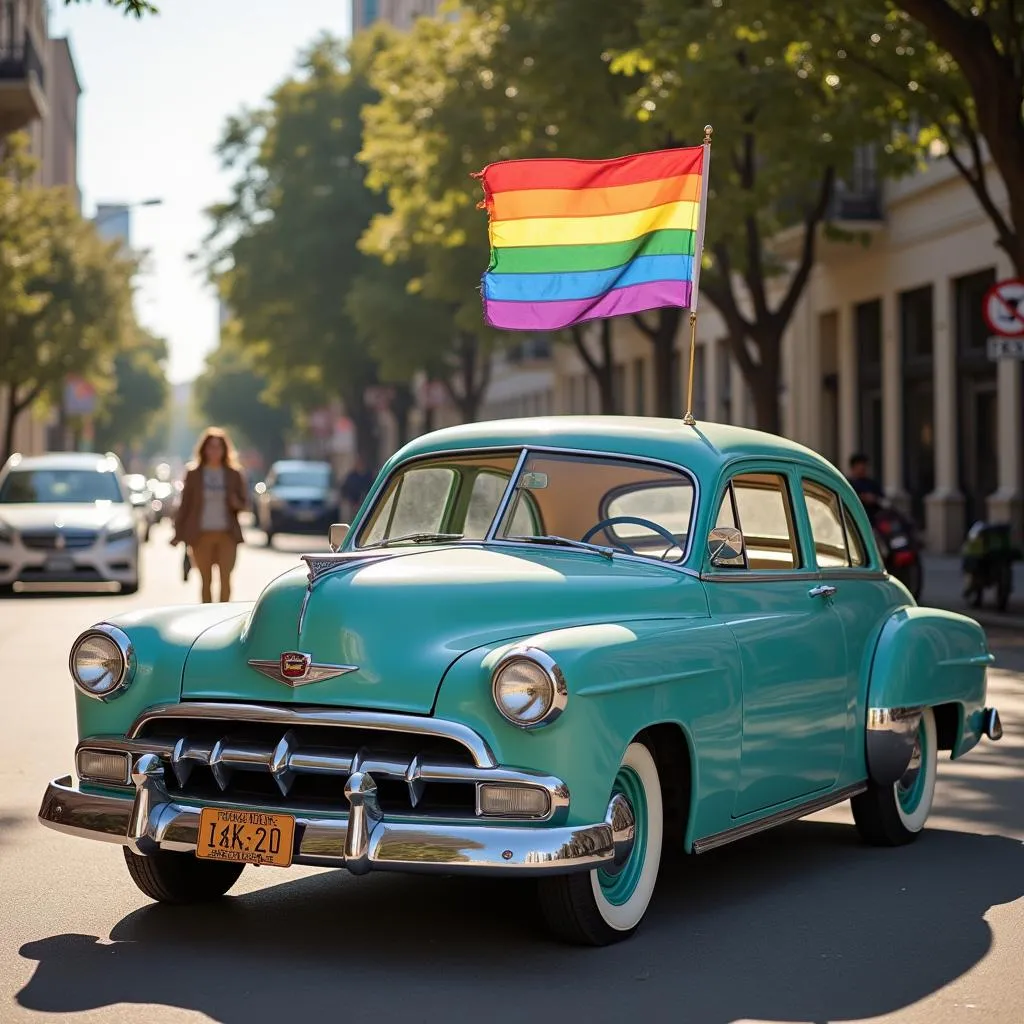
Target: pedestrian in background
[[355, 487], [207, 518]]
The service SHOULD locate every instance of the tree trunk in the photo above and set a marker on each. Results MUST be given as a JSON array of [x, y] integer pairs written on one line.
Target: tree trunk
[[473, 371], [602, 369], [401, 409], [662, 337], [10, 418]]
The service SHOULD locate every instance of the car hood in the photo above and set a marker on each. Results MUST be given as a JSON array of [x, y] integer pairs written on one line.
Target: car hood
[[399, 620], [37, 516], [300, 493]]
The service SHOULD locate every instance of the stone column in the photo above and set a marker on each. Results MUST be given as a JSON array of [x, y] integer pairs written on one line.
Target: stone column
[[846, 359], [892, 405], [944, 507], [1007, 504]]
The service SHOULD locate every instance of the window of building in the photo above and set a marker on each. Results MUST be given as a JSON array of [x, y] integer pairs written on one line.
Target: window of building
[[867, 325], [761, 504], [371, 11], [916, 320], [971, 330]]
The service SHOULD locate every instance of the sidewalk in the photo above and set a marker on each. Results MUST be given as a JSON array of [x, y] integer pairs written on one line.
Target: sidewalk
[[943, 587]]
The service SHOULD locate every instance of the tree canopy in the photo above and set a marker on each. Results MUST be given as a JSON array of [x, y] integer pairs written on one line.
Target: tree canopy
[[65, 294], [284, 248], [135, 8], [952, 70], [133, 410]]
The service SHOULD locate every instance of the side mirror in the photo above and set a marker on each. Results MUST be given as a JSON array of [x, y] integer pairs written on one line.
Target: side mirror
[[336, 535], [725, 546]]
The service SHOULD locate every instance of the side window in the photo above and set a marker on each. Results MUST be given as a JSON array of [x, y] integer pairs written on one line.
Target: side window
[[825, 512], [858, 551], [416, 505], [765, 515], [483, 503]]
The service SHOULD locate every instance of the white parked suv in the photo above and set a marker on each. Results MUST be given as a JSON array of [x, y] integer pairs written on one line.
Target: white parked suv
[[66, 517]]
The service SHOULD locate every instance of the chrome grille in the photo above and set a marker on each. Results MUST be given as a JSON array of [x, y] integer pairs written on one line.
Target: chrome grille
[[46, 540], [308, 765]]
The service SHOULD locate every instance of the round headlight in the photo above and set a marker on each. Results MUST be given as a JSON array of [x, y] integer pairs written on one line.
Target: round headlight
[[101, 662], [528, 687]]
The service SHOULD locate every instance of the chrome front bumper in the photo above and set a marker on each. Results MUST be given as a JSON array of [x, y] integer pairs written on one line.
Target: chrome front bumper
[[361, 841]]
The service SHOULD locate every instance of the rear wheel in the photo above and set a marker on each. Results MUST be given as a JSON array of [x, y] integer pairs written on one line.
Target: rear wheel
[[607, 905], [180, 877], [894, 815]]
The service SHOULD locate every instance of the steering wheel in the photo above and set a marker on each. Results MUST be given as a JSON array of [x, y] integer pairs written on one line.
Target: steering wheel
[[632, 521]]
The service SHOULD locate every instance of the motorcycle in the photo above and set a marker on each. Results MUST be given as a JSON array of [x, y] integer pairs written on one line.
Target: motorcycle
[[898, 543], [987, 558]]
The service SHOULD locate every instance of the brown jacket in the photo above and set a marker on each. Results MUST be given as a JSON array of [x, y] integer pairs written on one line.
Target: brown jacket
[[190, 511]]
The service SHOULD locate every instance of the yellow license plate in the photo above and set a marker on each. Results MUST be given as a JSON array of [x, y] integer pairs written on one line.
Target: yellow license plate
[[246, 837]]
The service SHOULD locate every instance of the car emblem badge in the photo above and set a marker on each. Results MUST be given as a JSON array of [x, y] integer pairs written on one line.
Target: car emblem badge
[[295, 668], [295, 664]]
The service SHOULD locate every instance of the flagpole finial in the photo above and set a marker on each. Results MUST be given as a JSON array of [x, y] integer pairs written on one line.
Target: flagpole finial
[[708, 131]]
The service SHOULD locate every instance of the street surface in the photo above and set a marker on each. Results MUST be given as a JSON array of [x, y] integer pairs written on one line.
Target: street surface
[[802, 924]]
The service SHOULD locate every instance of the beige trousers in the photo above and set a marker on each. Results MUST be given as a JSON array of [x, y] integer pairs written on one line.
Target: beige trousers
[[215, 549]]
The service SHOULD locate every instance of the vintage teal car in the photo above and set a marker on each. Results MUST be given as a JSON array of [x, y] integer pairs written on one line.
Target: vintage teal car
[[546, 647]]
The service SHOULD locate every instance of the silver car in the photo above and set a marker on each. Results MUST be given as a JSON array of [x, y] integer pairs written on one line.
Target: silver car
[[67, 518]]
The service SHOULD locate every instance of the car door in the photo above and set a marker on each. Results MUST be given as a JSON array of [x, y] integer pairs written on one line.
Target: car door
[[791, 641]]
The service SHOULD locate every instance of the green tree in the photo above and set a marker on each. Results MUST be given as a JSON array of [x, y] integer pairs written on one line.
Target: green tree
[[65, 294], [131, 412], [783, 139], [953, 70], [232, 392], [137, 8], [284, 249]]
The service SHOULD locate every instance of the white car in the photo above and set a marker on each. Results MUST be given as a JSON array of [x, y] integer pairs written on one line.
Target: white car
[[67, 518]]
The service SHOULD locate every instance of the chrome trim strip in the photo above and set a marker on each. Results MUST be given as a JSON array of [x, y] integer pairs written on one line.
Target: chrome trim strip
[[506, 497], [385, 721], [438, 847], [315, 673], [746, 576], [749, 828], [889, 740]]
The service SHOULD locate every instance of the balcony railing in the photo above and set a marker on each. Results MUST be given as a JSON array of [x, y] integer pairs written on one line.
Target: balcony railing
[[862, 204], [18, 62]]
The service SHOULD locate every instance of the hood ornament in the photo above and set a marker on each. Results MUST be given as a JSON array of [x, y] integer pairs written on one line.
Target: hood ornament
[[295, 668]]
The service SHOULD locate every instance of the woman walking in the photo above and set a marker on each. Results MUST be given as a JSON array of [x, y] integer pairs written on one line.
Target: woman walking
[[207, 518]]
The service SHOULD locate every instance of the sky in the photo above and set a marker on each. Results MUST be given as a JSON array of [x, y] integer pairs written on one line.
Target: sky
[[156, 95]]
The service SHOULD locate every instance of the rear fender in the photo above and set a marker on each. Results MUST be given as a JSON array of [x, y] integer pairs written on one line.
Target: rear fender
[[925, 658]]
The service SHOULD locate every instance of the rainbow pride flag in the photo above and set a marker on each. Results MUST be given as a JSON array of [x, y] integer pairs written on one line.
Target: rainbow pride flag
[[578, 240]]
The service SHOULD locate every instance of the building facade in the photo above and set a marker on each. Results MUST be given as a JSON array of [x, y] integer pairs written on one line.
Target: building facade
[[885, 354], [400, 13], [39, 94]]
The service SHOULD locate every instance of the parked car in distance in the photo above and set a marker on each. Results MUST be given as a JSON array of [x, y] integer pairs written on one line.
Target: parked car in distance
[[548, 648], [143, 503], [296, 497], [66, 517]]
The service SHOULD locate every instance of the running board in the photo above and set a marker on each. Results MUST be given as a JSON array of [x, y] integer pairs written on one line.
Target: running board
[[749, 828]]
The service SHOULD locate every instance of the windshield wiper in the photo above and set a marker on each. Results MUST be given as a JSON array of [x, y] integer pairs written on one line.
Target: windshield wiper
[[566, 542], [417, 538]]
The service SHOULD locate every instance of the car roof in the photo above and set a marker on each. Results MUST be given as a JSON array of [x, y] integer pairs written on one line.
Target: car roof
[[287, 464], [66, 460], [703, 448]]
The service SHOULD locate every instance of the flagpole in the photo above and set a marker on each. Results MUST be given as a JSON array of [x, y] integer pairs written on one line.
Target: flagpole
[[698, 250]]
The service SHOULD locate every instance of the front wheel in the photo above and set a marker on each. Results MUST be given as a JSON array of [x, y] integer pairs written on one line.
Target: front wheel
[[170, 877], [894, 815], [606, 905]]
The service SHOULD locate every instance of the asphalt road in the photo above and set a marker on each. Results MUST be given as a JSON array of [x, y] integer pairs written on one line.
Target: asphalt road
[[802, 924]]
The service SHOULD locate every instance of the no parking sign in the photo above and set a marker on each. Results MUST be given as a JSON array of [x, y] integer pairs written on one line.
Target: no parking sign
[[1003, 309]]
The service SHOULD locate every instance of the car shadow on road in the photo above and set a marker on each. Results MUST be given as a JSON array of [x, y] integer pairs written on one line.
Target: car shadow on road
[[801, 924]]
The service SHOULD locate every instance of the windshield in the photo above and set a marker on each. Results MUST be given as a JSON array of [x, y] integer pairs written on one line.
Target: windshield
[[60, 486], [302, 478], [568, 498]]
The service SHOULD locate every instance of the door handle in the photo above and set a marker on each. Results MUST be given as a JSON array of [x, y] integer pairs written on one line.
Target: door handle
[[823, 591]]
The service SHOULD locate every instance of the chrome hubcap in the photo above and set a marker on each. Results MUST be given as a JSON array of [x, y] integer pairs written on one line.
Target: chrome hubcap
[[622, 820], [909, 777]]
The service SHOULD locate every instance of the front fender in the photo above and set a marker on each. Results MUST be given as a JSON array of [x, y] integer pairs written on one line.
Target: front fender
[[162, 639], [925, 658], [622, 678]]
